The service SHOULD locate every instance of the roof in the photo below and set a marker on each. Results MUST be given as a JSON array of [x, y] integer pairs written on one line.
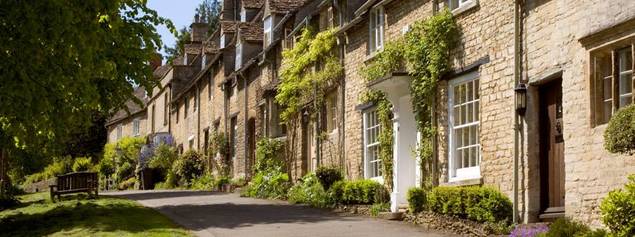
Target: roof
[[131, 105], [160, 71], [228, 26], [251, 31], [253, 3], [284, 6]]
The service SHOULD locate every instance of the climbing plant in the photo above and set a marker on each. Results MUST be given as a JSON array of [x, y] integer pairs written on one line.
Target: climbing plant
[[385, 137], [425, 54], [308, 70]]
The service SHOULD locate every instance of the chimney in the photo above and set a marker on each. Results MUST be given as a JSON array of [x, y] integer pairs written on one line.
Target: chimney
[[199, 30], [156, 61]]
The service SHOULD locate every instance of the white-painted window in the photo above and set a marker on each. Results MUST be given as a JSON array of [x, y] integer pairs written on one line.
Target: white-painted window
[[203, 60], [331, 111], [239, 56], [119, 131], [222, 41], [613, 81], [372, 162], [463, 108], [376, 34], [454, 4], [243, 15], [135, 127], [268, 36]]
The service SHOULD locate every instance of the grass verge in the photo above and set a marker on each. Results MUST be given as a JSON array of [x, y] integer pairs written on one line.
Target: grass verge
[[79, 216]]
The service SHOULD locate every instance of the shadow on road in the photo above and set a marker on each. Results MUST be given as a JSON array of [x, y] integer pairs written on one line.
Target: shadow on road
[[160, 194]]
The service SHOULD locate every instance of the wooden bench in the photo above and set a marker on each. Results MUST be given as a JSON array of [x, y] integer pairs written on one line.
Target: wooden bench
[[77, 182]]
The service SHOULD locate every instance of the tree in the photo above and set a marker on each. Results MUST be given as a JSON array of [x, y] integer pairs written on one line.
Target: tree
[[62, 60], [209, 12], [182, 37]]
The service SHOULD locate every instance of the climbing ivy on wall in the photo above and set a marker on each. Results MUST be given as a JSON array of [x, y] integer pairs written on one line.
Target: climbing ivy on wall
[[307, 71], [385, 137], [425, 54]]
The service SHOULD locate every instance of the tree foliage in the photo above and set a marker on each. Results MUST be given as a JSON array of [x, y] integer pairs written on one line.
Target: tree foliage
[[62, 60], [209, 12], [182, 37]]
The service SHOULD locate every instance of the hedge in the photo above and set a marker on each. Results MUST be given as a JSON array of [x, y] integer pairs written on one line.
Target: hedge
[[481, 204], [358, 192]]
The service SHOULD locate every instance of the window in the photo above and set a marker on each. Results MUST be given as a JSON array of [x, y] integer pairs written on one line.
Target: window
[[239, 56], [152, 118], [454, 4], [195, 101], [191, 143], [613, 82], [243, 15], [465, 148], [187, 107], [232, 139], [331, 111], [165, 109], [135, 127], [372, 163], [268, 35], [263, 120], [178, 114], [203, 60], [119, 131], [376, 34], [209, 87], [222, 41]]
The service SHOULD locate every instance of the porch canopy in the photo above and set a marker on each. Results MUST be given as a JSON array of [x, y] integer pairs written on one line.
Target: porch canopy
[[406, 167]]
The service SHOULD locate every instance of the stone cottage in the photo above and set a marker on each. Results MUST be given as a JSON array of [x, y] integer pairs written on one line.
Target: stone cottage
[[523, 109]]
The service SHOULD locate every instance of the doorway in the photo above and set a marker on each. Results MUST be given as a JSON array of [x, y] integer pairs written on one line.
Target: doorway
[[552, 172]]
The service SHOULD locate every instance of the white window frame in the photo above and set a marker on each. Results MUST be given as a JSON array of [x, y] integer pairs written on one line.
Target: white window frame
[[459, 3], [243, 15], [203, 60], [222, 41], [135, 127], [239, 56], [268, 25], [367, 146], [119, 131], [473, 172], [377, 24]]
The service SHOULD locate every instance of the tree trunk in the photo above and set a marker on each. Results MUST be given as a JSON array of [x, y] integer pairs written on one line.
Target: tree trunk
[[3, 172]]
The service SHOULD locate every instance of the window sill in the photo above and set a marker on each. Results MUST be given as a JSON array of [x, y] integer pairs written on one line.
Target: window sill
[[372, 55], [463, 182], [464, 8]]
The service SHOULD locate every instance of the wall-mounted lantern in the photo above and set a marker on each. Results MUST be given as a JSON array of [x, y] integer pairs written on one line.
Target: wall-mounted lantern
[[521, 98]]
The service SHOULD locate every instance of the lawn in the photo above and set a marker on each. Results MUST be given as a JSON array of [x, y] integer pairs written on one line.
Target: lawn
[[79, 216]]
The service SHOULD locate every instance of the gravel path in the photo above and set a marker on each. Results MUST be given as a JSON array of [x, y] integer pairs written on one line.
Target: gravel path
[[221, 214]]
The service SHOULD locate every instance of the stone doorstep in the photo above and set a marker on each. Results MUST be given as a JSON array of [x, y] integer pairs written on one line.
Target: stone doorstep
[[393, 216]]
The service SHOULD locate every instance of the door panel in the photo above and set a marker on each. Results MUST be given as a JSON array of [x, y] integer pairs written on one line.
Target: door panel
[[551, 148]]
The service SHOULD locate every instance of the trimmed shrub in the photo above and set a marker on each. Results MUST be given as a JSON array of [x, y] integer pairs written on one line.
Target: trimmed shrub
[[416, 199], [203, 183], [309, 191], [328, 175], [336, 191], [364, 192], [618, 210], [565, 227], [619, 136], [481, 204], [82, 164], [60, 165], [123, 156], [188, 167], [164, 157], [270, 180]]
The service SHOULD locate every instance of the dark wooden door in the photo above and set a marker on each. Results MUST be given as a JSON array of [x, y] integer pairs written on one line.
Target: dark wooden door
[[252, 146], [552, 148]]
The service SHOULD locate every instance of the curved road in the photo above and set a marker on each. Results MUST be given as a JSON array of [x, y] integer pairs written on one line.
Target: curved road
[[221, 214]]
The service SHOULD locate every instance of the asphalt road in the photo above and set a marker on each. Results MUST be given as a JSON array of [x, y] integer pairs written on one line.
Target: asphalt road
[[221, 214]]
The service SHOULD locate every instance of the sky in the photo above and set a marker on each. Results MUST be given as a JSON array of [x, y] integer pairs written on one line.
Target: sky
[[181, 12]]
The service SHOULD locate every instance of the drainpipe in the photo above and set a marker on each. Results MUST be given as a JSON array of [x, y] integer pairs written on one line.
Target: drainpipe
[[246, 124], [517, 118]]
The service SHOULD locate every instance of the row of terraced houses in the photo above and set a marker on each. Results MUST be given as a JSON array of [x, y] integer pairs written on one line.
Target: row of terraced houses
[[532, 86]]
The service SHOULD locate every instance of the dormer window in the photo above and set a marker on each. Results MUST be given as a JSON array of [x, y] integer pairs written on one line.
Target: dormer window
[[185, 59], [239, 55], [203, 61], [268, 36], [376, 34], [222, 41]]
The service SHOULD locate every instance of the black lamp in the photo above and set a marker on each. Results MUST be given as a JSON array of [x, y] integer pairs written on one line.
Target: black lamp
[[521, 98]]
